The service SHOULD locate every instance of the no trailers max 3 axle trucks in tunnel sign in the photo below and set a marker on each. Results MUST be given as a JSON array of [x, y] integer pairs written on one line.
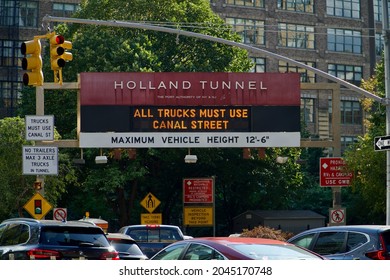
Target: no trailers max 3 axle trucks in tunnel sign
[[176, 110]]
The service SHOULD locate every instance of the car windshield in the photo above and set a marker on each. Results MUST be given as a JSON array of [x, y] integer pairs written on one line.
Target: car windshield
[[129, 247], [73, 236], [273, 252], [154, 235]]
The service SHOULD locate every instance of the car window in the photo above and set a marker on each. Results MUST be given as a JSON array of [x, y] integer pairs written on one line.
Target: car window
[[15, 234], [73, 236], [170, 253], [304, 241], [125, 246], [154, 235], [330, 243], [201, 252], [386, 239], [273, 252], [355, 240]]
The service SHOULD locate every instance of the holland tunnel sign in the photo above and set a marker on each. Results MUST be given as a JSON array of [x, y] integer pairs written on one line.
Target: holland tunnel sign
[[164, 110]]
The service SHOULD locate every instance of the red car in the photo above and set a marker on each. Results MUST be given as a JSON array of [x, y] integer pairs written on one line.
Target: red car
[[234, 248]]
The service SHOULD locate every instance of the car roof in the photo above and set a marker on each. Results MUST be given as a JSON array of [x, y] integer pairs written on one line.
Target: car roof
[[150, 226], [361, 228], [51, 222], [118, 236], [238, 240]]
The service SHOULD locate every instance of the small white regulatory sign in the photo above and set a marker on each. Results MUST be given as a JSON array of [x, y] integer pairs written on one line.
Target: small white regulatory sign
[[40, 160], [40, 128]]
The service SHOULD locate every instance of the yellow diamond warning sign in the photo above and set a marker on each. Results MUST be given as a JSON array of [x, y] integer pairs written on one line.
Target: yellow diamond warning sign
[[38, 206], [150, 202]]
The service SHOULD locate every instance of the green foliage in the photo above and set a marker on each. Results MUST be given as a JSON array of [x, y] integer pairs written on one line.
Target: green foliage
[[369, 167], [16, 188], [113, 191]]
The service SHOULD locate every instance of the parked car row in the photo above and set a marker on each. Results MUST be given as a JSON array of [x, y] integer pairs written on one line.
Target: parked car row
[[24, 238]]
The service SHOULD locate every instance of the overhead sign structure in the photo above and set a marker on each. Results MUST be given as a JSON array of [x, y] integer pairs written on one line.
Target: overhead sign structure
[[40, 160], [38, 206], [137, 110], [40, 128], [150, 202], [382, 143], [333, 173], [198, 190]]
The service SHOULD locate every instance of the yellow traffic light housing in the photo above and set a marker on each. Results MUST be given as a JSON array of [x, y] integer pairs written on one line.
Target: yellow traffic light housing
[[59, 55], [32, 62]]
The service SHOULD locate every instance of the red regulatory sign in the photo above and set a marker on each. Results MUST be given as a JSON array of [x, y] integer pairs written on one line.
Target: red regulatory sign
[[333, 173], [198, 190]]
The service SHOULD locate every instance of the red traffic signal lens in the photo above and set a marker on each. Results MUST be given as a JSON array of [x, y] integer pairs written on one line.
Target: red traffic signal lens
[[59, 39]]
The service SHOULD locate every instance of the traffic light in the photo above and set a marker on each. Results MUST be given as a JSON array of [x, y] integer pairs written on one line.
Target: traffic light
[[59, 55], [38, 185], [32, 62], [38, 206]]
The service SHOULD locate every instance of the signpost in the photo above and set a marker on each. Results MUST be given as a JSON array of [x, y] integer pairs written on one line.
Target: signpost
[[40, 128], [40, 160], [38, 206], [382, 143], [333, 173]]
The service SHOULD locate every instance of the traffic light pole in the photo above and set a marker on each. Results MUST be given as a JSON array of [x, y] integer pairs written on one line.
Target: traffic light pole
[[386, 37]]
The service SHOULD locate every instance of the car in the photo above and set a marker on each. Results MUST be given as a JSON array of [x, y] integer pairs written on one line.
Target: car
[[152, 238], [27, 238], [234, 248], [126, 246], [349, 242]]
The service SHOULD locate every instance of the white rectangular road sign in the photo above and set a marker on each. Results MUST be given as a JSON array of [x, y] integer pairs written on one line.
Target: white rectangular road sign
[[40, 128], [40, 160], [190, 140], [382, 143]]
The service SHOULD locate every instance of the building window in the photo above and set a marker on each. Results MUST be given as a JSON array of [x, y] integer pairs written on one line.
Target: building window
[[379, 44], [349, 73], [346, 141], [28, 13], [251, 31], [343, 40], [306, 6], [246, 3], [306, 76], [64, 9], [351, 112], [307, 109], [296, 36], [343, 8], [9, 53], [259, 65]]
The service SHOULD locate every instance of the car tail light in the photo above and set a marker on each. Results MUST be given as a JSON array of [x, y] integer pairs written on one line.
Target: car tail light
[[379, 254], [110, 256], [39, 254]]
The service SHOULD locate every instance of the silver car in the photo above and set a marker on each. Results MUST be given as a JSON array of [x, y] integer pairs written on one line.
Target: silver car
[[354, 242]]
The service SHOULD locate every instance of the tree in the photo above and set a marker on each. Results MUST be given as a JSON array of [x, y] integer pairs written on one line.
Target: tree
[[112, 191], [369, 167], [16, 188]]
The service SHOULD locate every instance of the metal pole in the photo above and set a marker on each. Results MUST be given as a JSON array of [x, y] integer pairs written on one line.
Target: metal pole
[[179, 32], [385, 32]]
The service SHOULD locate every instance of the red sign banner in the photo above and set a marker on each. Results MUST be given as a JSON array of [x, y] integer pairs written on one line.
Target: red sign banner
[[198, 190], [333, 173], [190, 89]]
